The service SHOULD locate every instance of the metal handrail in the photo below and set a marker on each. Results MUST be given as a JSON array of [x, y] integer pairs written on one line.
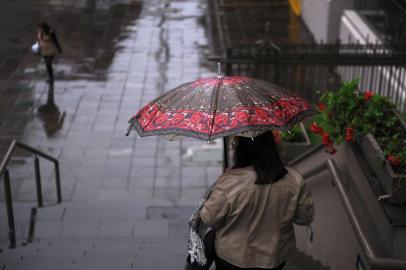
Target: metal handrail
[[373, 259], [7, 187]]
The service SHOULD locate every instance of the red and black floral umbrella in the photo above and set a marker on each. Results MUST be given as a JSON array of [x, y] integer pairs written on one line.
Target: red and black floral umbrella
[[216, 107]]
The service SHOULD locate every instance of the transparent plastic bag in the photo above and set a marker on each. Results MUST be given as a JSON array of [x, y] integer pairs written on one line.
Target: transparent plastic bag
[[35, 48]]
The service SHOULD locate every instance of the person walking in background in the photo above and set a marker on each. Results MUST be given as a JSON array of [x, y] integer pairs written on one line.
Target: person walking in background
[[49, 46], [253, 207]]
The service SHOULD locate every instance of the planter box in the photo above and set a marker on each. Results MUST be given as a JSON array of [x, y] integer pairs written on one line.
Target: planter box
[[392, 183]]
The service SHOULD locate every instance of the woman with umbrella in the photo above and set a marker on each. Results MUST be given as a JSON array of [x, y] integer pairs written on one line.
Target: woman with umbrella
[[253, 206]]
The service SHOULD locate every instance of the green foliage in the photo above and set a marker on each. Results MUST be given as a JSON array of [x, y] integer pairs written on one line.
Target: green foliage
[[295, 134], [365, 113]]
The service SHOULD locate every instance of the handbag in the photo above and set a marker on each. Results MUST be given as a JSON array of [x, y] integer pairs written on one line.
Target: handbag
[[36, 49], [209, 251]]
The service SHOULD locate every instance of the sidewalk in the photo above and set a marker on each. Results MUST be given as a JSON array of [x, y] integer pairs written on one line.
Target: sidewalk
[[117, 57]]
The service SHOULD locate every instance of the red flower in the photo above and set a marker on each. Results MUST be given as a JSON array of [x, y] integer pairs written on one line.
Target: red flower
[[326, 138], [368, 95], [329, 148], [321, 106], [261, 114], [284, 104], [161, 119], [394, 160], [315, 128], [277, 134], [221, 119], [233, 124], [196, 118], [289, 113], [177, 117], [349, 134], [279, 114], [242, 116]]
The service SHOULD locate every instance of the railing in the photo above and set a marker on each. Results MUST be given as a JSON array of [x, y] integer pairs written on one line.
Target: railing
[[375, 261], [7, 186], [308, 69], [387, 16]]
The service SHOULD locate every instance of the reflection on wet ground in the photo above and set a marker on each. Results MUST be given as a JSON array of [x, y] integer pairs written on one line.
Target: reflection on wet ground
[[90, 32], [117, 56], [50, 114]]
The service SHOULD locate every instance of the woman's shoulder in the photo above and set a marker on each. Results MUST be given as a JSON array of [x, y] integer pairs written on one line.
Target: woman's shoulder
[[294, 173], [292, 178], [236, 175], [239, 172]]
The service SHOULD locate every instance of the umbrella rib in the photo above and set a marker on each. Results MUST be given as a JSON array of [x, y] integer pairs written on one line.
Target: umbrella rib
[[215, 101], [261, 96]]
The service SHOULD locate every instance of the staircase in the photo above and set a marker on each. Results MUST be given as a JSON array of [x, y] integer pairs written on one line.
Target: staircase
[[300, 261], [96, 253], [115, 253], [109, 236]]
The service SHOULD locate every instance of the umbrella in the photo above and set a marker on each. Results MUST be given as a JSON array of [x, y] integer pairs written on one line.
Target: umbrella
[[216, 107]]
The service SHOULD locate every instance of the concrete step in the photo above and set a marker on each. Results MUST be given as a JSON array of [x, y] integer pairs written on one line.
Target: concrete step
[[106, 236], [301, 261], [97, 253]]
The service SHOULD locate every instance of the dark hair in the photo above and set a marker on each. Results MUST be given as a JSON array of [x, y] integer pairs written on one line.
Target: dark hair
[[46, 28], [262, 154]]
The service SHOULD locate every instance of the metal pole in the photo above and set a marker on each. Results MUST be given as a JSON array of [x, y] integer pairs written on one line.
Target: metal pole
[[9, 206], [58, 182], [38, 181]]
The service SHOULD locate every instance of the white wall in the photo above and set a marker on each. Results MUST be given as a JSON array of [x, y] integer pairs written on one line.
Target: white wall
[[355, 28], [322, 17]]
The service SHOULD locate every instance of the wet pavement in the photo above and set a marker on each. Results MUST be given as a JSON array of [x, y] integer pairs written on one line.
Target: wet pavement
[[117, 56], [126, 200], [114, 61]]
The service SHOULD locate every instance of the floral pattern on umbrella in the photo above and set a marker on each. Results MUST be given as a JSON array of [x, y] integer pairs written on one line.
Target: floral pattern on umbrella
[[212, 108]]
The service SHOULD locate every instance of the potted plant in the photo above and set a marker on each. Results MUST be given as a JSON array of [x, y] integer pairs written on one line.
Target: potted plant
[[372, 122]]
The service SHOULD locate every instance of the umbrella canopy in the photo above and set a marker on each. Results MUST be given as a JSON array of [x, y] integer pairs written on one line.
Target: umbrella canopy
[[216, 107]]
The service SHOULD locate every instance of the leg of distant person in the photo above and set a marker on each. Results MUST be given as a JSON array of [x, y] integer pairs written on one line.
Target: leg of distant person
[[48, 63]]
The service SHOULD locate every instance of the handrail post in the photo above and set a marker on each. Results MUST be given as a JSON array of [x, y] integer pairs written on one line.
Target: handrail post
[[38, 181], [9, 206], [58, 182]]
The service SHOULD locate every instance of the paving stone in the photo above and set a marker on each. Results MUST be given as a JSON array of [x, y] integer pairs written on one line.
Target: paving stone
[[116, 229], [79, 229], [48, 230], [151, 228]]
